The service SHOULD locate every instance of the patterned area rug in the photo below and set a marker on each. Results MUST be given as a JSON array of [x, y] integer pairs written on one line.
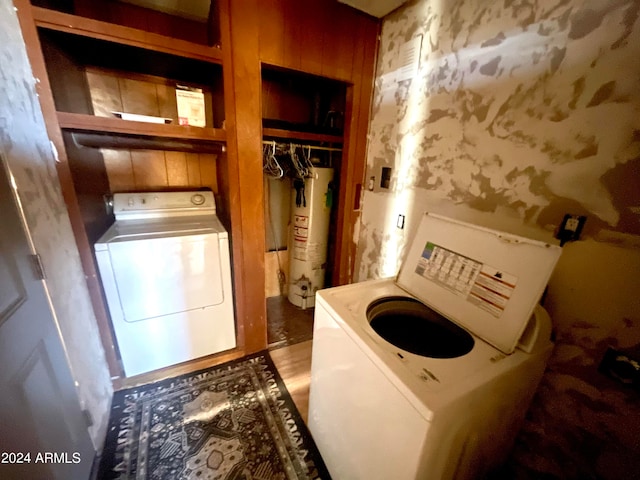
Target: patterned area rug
[[233, 421]]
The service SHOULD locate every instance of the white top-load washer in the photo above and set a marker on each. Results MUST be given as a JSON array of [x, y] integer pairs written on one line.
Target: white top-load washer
[[429, 375], [166, 273]]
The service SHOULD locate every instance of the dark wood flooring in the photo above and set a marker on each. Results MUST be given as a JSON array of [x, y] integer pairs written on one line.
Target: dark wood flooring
[[287, 324]]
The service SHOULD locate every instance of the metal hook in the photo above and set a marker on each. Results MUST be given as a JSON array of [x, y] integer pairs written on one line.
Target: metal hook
[[271, 165]]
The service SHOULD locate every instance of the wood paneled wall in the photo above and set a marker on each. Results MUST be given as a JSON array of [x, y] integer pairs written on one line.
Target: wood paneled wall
[[329, 39], [148, 170], [357, 127], [113, 91], [145, 19], [320, 37]]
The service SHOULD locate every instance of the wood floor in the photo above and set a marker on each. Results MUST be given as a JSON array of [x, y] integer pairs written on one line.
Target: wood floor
[[286, 323], [294, 366]]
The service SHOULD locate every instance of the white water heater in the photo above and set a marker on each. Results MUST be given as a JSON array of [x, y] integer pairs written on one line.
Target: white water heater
[[311, 202]]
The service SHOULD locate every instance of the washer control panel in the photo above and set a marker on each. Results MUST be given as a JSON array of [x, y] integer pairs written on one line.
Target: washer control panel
[[162, 204]]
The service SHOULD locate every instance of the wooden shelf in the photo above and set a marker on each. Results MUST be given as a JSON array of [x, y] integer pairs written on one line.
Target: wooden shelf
[[90, 123], [64, 22], [305, 136]]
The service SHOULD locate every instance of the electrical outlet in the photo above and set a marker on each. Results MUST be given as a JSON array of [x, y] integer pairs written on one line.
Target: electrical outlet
[[400, 222], [572, 224], [622, 365], [570, 228]]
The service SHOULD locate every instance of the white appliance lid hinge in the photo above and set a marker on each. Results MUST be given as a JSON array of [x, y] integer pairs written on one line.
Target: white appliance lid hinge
[[88, 418], [38, 267]]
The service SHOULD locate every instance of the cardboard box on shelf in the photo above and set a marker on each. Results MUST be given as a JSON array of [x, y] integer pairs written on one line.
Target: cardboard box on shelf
[[191, 110]]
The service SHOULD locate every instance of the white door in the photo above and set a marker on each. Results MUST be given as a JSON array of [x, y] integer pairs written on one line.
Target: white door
[[43, 433]]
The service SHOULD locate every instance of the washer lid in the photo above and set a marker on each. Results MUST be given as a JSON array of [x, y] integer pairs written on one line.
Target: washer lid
[[486, 281]]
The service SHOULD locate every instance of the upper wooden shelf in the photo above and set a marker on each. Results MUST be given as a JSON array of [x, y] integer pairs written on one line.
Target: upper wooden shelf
[[305, 136], [90, 123], [64, 22]]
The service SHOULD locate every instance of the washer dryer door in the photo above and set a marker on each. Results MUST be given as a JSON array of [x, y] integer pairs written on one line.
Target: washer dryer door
[[166, 275]]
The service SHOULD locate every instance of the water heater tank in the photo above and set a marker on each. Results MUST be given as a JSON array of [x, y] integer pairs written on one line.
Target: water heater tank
[[311, 201]]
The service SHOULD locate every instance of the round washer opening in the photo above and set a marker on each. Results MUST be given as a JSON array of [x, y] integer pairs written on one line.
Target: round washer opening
[[412, 326]]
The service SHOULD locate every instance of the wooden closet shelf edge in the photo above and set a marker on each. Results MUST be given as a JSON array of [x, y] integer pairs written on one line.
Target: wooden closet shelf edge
[[64, 22], [90, 123], [305, 136]]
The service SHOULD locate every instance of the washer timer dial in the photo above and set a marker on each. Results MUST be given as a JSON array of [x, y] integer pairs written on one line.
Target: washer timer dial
[[197, 199]]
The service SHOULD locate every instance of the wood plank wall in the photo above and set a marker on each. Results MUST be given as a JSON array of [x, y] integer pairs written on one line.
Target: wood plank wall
[[113, 91], [148, 170], [157, 170], [146, 19], [320, 37], [332, 40]]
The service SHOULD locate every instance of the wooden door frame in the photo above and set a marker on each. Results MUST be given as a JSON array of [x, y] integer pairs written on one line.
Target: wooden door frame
[[242, 175]]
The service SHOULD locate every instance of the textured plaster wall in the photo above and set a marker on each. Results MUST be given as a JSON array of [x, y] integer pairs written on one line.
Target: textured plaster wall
[[522, 111], [24, 141]]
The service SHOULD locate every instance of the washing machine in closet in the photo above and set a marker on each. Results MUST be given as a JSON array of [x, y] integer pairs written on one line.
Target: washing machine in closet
[[166, 272], [429, 375]]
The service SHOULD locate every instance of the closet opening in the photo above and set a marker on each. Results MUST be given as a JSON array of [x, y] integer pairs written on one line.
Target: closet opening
[[303, 125]]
